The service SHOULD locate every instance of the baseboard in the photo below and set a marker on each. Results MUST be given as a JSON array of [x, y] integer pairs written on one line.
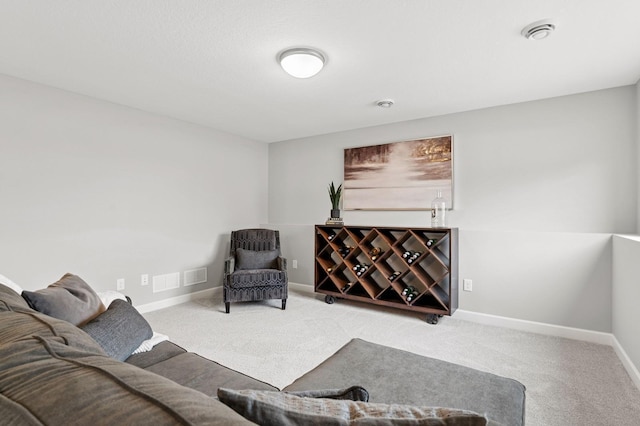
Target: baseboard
[[302, 288], [487, 319], [536, 327], [556, 330], [516, 324], [626, 362], [172, 301]]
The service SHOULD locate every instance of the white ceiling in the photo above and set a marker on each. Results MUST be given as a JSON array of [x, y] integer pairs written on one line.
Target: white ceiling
[[213, 62]]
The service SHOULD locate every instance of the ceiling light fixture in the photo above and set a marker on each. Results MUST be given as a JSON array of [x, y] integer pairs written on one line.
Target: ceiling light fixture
[[301, 62], [538, 30], [385, 103]]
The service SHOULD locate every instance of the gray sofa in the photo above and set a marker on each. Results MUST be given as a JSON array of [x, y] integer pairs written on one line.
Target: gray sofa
[[54, 373]]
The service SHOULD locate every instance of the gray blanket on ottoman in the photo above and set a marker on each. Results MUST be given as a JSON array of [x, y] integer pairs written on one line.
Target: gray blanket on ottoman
[[394, 376]]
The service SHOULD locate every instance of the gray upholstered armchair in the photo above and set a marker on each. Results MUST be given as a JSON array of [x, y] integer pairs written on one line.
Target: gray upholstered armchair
[[255, 268]]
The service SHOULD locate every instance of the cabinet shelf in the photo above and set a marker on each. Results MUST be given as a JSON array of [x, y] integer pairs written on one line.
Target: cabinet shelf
[[377, 264]]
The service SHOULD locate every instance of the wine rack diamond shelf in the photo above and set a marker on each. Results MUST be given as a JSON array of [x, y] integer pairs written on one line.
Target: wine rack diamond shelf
[[408, 268]]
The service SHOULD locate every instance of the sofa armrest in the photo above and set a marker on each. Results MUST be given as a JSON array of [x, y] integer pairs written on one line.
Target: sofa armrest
[[229, 265], [282, 263]]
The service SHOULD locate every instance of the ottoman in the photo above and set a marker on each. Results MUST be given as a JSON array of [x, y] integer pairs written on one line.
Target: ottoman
[[393, 376]]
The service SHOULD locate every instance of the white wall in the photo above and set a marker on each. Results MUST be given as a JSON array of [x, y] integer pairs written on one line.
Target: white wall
[[638, 151], [626, 294], [539, 189], [110, 192], [626, 276]]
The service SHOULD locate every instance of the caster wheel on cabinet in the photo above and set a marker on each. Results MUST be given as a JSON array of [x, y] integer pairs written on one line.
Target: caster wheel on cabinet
[[433, 318], [329, 299]]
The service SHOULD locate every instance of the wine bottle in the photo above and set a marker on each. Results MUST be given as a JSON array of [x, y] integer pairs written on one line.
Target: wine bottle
[[363, 268], [408, 290], [394, 275], [344, 250], [431, 242], [438, 211], [375, 252]]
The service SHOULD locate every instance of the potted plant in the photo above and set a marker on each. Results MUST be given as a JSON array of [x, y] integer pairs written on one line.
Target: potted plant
[[334, 196]]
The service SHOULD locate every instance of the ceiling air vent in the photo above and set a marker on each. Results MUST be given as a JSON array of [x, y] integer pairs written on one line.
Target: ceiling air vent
[[538, 30]]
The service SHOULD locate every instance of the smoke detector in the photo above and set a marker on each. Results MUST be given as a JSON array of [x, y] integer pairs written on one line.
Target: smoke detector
[[385, 103], [538, 30]]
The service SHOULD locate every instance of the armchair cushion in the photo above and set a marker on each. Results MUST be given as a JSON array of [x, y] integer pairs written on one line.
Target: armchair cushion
[[257, 278], [250, 259]]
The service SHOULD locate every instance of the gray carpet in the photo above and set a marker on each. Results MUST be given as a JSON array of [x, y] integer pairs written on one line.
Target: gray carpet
[[568, 382]]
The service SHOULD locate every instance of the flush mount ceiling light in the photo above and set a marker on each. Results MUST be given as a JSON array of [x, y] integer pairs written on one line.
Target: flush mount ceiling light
[[385, 103], [538, 30], [301, 62]]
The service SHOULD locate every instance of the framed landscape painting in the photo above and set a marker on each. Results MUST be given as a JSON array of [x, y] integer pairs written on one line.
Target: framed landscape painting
[[403, 175]]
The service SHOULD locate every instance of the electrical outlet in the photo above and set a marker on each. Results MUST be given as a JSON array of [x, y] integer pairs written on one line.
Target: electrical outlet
[[294, 264], [120, 284], [144, 279], [467, 285]]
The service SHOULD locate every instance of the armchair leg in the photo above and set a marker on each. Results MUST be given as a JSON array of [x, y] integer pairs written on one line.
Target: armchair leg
[[226, 306], [284, 304]]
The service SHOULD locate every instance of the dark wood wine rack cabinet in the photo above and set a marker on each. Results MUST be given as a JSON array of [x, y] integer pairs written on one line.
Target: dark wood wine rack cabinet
[[408, 268]]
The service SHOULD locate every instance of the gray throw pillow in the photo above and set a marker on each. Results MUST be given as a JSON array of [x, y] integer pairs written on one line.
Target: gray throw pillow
[[353, 393], [70, 299], [250, 259], [119, 330], [268, 408]]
